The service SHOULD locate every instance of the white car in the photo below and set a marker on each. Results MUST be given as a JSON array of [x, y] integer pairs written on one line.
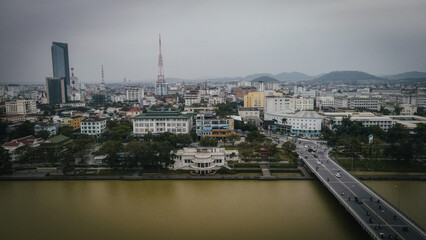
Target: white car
[[338, 175], [319, 162]]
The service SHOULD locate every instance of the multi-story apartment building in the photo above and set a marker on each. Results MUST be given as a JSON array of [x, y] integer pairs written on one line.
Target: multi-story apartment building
[[208, 125], [304, 104], [326, 101], [162, 121], [92, 126], [408, 109], [21, 106], [135, 94], [284, 104], [203, 160], [192, 97], [240, 92], [254, 99], [75, 121], [363, 102]]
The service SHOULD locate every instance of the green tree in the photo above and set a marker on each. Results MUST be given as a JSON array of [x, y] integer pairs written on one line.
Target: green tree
[[66, 130], [255, 136], [23, 130], [208, 142], [43, 134], [111, 148], [233, 138], [5, 161], [289, 146], [284, 121]]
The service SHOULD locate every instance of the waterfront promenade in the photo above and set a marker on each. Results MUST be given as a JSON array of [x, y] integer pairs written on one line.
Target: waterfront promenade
[[377, 217]]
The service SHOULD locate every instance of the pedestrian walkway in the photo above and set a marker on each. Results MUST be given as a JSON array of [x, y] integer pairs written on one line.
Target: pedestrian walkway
[[265, 169]]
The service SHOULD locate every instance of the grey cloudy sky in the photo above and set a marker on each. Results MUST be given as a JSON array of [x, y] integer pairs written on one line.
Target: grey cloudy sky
[[204, 39]]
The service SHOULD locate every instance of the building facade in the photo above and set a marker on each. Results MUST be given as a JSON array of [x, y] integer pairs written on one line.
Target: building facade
[[93, 126], [254, 99], [303, 122], [208, 125], [135, 94], [61, 67], [383, 122], [52, 128], [248, 112], [203, 160], [21, 106], [162, 121], [56, 91]]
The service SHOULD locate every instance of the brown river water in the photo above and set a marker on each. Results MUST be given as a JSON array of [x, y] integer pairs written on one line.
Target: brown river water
[[186, 209]]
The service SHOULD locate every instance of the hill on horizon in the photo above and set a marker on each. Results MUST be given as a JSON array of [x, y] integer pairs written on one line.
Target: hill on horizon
[[346, 76], [265, 79], [293, 76], [408, 75]]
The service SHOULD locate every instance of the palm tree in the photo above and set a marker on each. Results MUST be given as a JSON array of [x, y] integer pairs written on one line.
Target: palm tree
[[284, 121]]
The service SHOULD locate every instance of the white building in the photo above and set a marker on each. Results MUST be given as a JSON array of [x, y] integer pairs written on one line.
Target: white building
[[213, 100], [192, 97], [304, 104], [93, 126], [248, 112], [21, 106], [408, 109], [162, 121], [284, 104], [279, 104], [383, 122], [203, 160], [303, 122], [135, 94], [52, 128], [326, 101]]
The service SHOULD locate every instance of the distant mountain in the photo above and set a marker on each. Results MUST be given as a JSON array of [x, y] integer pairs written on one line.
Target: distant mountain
[[265, 79], [293, 76], [408, 75], [257, 75], [346, 76]]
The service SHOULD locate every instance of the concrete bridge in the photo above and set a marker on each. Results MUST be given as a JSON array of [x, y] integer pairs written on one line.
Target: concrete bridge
[[376, 216]]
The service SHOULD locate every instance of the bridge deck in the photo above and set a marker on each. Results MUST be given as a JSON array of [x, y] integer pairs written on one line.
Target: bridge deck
[[372, 212]]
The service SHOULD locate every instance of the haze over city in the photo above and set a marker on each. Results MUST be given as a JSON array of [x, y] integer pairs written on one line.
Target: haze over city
[[208, 39]]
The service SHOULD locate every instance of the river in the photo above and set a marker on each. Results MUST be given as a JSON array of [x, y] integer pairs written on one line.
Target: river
[[176, 210]]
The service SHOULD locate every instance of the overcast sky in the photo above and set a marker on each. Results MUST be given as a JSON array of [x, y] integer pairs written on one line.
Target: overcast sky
[[205, 39]]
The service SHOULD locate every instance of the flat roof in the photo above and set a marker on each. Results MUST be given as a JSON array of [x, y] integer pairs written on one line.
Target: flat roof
[[163, 114]]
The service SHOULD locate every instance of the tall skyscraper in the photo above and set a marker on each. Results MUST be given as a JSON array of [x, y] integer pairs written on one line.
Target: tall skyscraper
[[55, 88], [61, 68], [161, 88], [75, 87]]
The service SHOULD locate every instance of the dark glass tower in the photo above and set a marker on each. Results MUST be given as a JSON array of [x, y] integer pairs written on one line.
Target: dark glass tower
[[61, 67], [55, 90]]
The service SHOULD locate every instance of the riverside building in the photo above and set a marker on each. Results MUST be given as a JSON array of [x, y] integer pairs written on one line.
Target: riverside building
[[162, 121], [203, 160]]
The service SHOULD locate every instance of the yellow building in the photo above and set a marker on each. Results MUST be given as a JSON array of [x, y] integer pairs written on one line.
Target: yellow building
[[67, 121], [75, 123], [254, 99]]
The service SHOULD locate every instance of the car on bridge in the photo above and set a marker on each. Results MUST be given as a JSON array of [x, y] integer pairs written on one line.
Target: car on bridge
[[338, 175], [319, 162]]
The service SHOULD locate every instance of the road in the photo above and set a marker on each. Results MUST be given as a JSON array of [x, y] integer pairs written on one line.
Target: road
[[374, 214]]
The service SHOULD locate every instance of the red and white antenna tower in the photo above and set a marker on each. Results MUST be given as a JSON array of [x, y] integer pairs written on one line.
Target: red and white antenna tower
[[102, 87], [160, 77]]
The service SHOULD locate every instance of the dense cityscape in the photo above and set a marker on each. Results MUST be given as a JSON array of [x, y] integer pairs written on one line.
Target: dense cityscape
[[358, 138]]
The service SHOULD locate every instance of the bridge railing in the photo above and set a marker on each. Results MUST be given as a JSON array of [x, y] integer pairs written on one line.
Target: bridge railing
[[382, 198], [363, 224]]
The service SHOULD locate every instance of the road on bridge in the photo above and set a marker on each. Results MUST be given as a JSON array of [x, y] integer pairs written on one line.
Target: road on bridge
[[375, 215]]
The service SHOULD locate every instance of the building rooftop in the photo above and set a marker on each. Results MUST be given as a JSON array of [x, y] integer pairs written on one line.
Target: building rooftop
[[150, 114]]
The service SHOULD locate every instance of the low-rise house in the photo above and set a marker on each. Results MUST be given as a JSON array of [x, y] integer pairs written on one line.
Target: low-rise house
[[29, 141], [132, 112], [203, 160]]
